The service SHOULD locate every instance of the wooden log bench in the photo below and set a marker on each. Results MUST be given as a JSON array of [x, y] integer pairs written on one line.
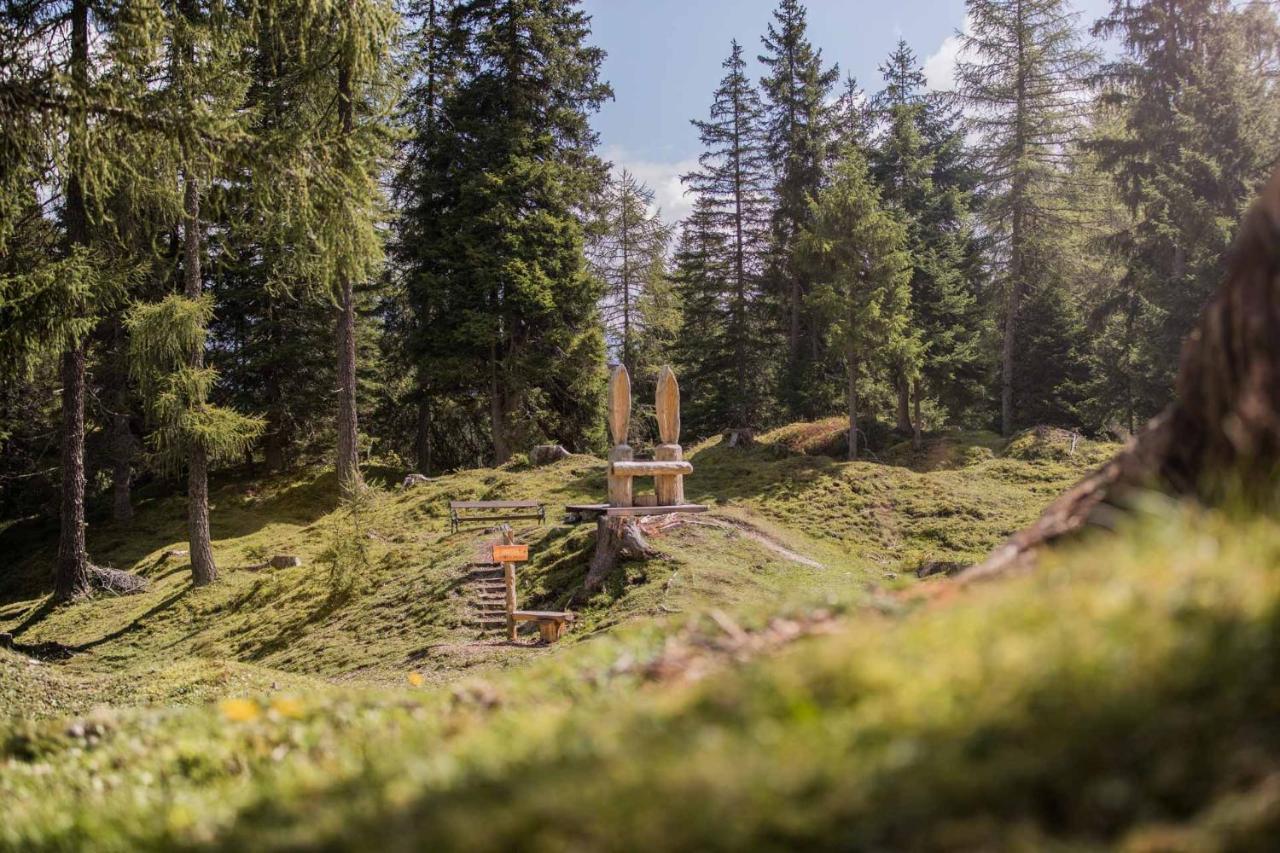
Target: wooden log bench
[[551, 624], [460, 512]]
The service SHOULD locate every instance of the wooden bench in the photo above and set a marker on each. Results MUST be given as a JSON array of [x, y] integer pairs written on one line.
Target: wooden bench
[[551, 624], [457, 509]]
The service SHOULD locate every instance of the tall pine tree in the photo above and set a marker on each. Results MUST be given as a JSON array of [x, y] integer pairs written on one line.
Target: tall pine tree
[[856, 252], [1022, 76], [505, 305], [797, 122], [732, 186], [1195, 96]]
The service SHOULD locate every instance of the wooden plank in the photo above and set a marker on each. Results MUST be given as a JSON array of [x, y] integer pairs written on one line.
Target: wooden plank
[[494, 504], [655, 510], [668, 406], [536, 615], [619, 405], [510, 553], [649, 468]]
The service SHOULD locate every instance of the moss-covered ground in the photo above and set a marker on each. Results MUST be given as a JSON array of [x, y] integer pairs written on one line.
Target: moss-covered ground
[[764, 682]]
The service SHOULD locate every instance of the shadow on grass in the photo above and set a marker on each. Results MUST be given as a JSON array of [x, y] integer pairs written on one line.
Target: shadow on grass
[[236, 512]]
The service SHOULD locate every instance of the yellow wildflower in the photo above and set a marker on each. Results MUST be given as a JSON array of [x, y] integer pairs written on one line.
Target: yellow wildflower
[[416, 679], [240, 710]]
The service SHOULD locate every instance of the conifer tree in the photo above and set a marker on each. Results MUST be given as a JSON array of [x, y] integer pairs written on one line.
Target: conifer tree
[[703, 350], [440, 44], [628, 254], [63, 117], [498, 280], [1195, 93], [732, 186], [1022, 76], [856, 252], [202, 72], [797, 124], [912, 164]]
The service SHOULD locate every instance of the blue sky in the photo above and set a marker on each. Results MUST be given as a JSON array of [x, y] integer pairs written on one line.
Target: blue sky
[[665, 55]]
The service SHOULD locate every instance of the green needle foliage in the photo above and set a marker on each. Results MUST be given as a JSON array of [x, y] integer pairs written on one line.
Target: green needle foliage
[[856, 252], [162, 337]]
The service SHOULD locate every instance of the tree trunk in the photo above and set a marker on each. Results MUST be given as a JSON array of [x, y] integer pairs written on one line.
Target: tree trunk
[[617, 538], [273, 439], [1219, 441], [1018, 195], [348, 463], [498, 423], [852, 394], [917, 426], [904, 404], [122, 442], [71, 572], [122, 466], [203, 569], [348, 429], [422, 444]]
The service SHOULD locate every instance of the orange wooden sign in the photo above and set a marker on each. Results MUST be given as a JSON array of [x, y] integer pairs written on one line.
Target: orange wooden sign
[[510, 553]]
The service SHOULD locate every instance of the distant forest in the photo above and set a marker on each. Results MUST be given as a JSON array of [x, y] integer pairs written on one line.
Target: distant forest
[[263, 234]]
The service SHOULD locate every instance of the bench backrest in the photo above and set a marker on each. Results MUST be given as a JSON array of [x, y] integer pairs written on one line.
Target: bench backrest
[[494, 504]]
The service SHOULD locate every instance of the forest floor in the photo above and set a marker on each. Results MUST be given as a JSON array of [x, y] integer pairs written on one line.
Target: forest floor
[[774, 677]]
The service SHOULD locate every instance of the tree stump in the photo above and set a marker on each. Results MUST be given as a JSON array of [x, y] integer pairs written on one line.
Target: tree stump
[[617, 538], [1221, 435]]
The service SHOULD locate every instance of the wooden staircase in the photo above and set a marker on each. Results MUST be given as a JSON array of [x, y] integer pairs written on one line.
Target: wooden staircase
[[488, 597]]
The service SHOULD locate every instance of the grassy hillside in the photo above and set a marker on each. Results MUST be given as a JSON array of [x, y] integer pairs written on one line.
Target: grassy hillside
[[763, 682]]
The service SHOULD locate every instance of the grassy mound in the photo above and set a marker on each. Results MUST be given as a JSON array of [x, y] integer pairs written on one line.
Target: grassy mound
[[1124, 696], [761, 681]]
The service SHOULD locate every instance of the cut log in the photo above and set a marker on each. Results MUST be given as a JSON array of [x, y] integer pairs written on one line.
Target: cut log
[[619, 486], [1220, 437], [649, 468], [669, 488], [617, 538]]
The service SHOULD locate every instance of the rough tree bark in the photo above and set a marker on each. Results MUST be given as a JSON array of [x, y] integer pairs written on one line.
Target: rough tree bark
[[71, 571], [1221, 433], [852, 399], [617, 538], [348, 462], [203, 569]]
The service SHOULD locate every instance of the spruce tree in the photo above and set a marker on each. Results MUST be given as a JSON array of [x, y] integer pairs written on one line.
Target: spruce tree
[[703, 350], [1195, 96], [732, 186], [797, 121], [1022, 76], [628, 253], [913, 162], [856, 252], [505, 305]]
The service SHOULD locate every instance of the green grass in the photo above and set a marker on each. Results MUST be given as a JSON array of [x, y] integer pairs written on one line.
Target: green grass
[[762, 682]]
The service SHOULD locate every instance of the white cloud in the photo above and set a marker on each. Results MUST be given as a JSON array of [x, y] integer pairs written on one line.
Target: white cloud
[[940, 67], [661, 177]]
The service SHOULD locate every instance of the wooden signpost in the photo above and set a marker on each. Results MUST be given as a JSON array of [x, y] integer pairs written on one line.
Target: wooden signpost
[[510, 553], [551, 624]]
